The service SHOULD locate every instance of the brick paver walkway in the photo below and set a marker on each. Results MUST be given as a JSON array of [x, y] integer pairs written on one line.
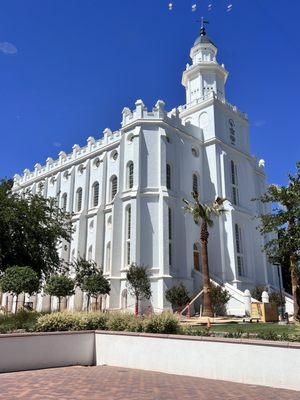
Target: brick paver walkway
[[95, 383]]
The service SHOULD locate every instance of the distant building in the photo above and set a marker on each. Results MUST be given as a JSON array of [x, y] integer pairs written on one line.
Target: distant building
[[126, 192]]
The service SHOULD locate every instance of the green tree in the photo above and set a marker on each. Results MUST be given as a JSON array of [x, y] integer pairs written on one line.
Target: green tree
[[95, 285], [219, 298], [138, 284], [204, 214], [31, 228], [178, 296], [59, 286], [17, 280], [282, 224], [83, 269]]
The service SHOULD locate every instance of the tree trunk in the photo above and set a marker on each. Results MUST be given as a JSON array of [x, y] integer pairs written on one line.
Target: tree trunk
[[88, 304], [295, 287], [59, 301], [136, 307], [207, 305], [16, 309]]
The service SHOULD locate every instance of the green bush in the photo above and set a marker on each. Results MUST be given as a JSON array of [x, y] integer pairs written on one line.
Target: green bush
[[195, 331], [94, 321], [275, 297], [60, 321], [25, 320], [257, 292], [219, 298], [125, 322], [178, 296], [162, 323]]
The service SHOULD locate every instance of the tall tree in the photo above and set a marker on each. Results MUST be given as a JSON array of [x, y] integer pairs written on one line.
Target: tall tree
[[17, 280], [138, 284], [204, 214], [83, 269], [31, 227], [283, 225]]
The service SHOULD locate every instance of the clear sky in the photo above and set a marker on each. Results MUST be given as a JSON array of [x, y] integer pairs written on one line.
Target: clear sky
[[67, 69]]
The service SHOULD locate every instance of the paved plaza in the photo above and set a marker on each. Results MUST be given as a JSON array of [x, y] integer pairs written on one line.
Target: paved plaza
[[95, 383]]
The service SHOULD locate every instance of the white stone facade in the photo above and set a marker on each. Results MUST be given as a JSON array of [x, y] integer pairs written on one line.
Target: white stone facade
[[126, 191]]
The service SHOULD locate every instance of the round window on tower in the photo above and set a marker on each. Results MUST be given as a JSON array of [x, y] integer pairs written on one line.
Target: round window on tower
[[114, 155], [195, 152], [96, 162]]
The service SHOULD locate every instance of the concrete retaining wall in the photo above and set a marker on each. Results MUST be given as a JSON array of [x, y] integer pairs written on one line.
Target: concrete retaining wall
[[46, 350], [246, 361]]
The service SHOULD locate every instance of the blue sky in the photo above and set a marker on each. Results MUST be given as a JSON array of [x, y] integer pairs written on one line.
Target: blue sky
[[67, 69]]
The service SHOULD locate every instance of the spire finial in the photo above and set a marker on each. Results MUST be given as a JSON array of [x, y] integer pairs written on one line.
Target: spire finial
[[202, 30]]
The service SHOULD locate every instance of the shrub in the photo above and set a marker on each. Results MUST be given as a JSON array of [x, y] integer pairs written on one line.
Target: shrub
[[60, 321], [59, 286], [219, 298], [125, 322], [195, 331], [94, 321], [178, 296], [21, 320], [162, 323], [257, 292], [275, 297]]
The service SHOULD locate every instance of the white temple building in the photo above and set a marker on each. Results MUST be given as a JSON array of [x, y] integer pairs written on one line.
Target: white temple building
[[126, 189]]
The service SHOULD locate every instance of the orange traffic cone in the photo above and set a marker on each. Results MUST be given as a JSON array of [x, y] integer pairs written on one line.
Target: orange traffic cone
[[208, 323]]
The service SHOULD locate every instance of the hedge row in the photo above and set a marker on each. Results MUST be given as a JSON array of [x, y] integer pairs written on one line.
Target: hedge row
[[66, 321]]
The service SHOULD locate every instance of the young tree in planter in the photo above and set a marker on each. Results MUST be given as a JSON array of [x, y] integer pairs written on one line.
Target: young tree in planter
[[83, 269], [95, 285], [17, 280], [59, 286], [138, 284], [204, 213], [178, 296], [284, 223]]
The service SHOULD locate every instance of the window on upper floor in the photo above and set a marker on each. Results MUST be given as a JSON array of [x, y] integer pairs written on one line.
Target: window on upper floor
[[239, 250], [79, 199], [168, 176], [195, 183], [232, 131], [90, 253], [95, 194], [108, 257], [113, 187], [130, 170], [234, 183]]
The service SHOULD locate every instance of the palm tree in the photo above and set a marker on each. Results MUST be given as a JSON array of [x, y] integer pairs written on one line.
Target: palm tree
[[204, 213]]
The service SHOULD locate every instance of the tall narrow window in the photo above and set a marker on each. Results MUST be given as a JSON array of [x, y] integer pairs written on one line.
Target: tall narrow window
[[95, 194], [90, 253], [64, 198], [79, 199], [114, 186], [168, 176], [196, 254], [170, 234], [128, 234], [239, 250], [232, 131], [195, 183], [130, 169], [234, 183], [108, 255]]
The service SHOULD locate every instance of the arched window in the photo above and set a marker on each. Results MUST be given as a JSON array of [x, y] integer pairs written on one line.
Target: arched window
[[195, 183], [130, 169], [128, 234], [90, 253], [95, 194], [234, 183], [107, 257], [78, 199], [64, 199], [113, 186], [196, 254], [170, 234], [168, 176]]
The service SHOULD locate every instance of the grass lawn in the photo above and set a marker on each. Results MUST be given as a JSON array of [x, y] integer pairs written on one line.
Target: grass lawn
[[255, 327]]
